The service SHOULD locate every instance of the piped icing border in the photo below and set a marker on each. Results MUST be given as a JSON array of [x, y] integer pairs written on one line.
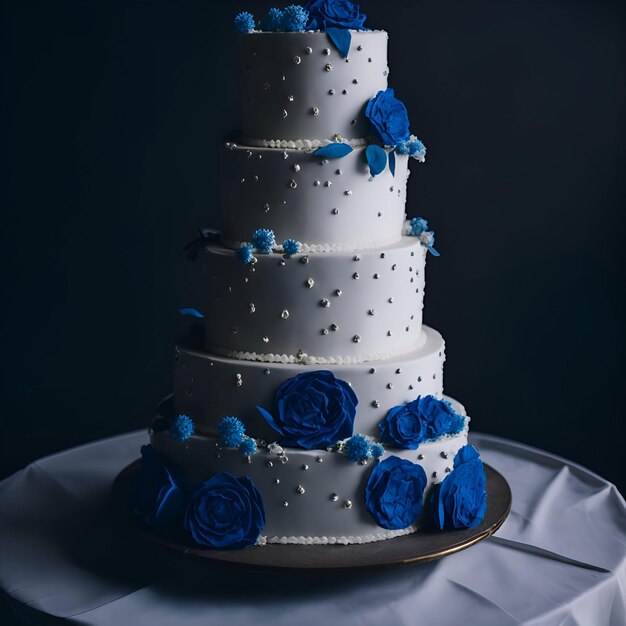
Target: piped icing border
[[343, 540], [308, 248], [296, 144], [305, 359]]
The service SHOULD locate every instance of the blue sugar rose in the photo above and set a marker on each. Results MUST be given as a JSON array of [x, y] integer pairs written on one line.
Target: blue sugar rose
[[157, 494], [314, 410], [388, 117], [460, 500], [225, 512], [325, 14], [394, 493], [424, 419]]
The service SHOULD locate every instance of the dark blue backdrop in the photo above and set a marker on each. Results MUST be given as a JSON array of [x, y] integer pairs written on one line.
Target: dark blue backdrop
[[112, 114]]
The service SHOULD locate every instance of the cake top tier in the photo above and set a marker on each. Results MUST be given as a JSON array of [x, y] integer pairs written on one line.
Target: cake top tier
[[299, 86]]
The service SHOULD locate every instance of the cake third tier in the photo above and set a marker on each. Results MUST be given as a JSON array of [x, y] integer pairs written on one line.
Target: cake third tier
[[334, 307]]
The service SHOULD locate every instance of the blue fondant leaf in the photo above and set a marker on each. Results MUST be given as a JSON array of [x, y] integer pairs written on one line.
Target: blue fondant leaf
[[193, 312], [376, 159], [392, 162], [334, 150], [341, 38], [269, 418]]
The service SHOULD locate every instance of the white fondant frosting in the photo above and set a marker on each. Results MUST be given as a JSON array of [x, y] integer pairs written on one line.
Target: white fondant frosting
[[289, 93], [322, 305], [209, 387], [315, 200], [350, 301], [313, 514]]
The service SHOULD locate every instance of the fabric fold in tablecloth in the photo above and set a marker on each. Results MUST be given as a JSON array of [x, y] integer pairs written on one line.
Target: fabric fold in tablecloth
[[559, 559]]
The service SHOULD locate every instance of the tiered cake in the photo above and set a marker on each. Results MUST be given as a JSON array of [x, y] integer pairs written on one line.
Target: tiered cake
[[311, 411]]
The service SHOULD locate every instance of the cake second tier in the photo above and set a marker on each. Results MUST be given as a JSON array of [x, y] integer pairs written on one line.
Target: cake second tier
[[331, 307], [326, 204]]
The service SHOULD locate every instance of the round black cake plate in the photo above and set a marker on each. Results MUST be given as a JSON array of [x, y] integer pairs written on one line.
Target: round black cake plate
[[420, 547]]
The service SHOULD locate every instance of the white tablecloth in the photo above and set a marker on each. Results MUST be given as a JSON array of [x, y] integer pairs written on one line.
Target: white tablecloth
[[560, 558]]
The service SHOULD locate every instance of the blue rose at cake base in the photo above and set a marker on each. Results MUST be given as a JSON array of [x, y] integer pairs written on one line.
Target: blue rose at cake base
[[424, 419], [314, 410], [157, 495], [225, 512], [388, 117], [394, 493], [460, 500]]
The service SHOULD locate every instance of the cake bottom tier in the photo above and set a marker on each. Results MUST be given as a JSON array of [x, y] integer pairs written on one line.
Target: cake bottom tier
[[310, 496]]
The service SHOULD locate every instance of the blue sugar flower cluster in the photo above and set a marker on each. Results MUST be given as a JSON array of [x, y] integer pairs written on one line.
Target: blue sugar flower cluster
[[273, 20], [244, 22], [182, 428], [291, 246], [418, 227], [245, 253], [248, 446], [263, 240], [293, 18], [231, 432], [412, 147], [359, 449]]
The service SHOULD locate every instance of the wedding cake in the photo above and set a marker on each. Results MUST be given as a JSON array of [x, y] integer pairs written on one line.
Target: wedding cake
[[310, 407]]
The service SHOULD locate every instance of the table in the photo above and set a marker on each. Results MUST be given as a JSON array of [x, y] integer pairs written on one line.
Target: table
[[560, 558]]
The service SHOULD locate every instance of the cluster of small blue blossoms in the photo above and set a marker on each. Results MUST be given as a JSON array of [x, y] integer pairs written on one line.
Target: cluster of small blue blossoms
[[291, 19], [182, 428], [232, 434], [264, 242], [359, 449], [412, 147], [291, 246], [419, 229]]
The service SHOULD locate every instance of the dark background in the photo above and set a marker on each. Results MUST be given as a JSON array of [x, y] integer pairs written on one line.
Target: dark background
[[111, 117]]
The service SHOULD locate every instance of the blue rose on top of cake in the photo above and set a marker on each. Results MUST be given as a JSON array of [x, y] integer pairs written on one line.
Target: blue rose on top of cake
[[334, 14], [225, 512], [460, 500], [313, 410], [394, 493], [157, 493], [424, 419]]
